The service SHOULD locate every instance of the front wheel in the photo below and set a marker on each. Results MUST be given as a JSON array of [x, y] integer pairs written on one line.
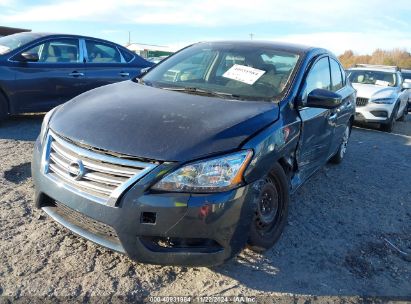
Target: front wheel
[[389, 126], [404, 114], [338, 157], [271, 210]]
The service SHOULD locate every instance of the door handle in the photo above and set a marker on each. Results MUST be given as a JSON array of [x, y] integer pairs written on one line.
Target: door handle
[[333, 116], [124, 74], [76, 74]]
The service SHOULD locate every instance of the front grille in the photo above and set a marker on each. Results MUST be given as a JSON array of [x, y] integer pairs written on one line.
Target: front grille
[[361, 102], [86, 223], [97, 176]]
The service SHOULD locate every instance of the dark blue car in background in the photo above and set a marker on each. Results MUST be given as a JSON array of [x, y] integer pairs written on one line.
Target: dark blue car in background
[[40, 71]]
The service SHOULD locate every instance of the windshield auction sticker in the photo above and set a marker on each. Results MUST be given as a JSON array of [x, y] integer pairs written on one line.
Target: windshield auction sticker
[[243, 73]]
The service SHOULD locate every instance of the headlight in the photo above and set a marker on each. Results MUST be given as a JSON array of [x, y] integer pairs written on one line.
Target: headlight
[[45, 124], [384, 100], [212, 175]]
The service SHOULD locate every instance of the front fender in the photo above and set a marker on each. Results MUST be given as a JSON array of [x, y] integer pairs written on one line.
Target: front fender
[[277, 142]]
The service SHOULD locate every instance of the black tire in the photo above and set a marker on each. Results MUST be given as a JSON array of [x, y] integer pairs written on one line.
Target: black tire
[[339, 156], [388, 127], [3, 107], [404, 114], [271, 210]]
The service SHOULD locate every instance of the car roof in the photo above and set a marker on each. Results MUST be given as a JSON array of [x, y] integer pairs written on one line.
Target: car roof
[[291, 47], [283, 46], [45, 34]]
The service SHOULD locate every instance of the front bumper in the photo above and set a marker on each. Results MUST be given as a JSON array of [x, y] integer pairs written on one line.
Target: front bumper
[[374, 113], [158, 228]]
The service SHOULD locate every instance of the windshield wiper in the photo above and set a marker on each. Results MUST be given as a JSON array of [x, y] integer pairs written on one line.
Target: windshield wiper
[[193, 90]]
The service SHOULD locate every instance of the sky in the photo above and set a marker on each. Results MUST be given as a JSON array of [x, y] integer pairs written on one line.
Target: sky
[[359, 25]]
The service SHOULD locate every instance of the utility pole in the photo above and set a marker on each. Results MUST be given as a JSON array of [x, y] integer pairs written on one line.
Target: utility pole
[[129, 37], [251, 36]]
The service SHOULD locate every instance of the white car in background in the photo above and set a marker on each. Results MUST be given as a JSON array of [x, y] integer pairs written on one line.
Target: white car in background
[[382, 96]]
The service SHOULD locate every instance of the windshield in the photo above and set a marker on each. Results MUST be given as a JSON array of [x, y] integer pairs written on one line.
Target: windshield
[[385, 79], [12, 42], [232, 71]]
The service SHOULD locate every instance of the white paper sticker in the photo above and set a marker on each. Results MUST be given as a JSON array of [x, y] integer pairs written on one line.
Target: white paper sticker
[[382, 83], [243, 73]]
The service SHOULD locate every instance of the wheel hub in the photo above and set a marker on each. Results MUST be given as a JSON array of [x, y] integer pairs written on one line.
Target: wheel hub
[[267, 207]]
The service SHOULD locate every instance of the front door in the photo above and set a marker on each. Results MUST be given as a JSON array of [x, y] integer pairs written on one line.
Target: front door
[[317, 124]]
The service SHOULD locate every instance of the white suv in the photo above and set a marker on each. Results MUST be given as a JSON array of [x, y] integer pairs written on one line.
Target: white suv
[[381, 94]]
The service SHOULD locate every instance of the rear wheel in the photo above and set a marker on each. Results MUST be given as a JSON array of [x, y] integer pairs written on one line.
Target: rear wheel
[[338, 157], [271, 210]]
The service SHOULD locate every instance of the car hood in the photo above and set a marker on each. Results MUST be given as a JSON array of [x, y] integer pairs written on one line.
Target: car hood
[[374, 91], [142, 121]]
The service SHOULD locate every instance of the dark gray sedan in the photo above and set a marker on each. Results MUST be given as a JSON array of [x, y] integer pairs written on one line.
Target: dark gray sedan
[[40, 71], [196, 159]]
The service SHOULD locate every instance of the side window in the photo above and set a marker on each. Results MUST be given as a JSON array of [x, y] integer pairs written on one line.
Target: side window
[[336, 77], [318, 77], [98, 52], [127, 55], [58, 51]]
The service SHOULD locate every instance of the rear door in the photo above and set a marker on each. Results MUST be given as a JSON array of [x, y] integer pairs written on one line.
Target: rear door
[[104, 64], [317, 124], [340, 116], [57, 77]]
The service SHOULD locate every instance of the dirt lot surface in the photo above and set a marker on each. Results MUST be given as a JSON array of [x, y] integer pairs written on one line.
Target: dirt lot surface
[[332, 248]]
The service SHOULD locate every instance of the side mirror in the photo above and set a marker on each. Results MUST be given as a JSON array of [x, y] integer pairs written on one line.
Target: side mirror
[[29, 57], [143, 72], [406, 85], [320, 98]]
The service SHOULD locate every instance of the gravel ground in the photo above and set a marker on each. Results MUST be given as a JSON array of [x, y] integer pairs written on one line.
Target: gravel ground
[[332, 249]]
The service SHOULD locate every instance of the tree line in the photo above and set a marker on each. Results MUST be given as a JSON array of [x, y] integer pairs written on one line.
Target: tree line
[[397, 57]]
